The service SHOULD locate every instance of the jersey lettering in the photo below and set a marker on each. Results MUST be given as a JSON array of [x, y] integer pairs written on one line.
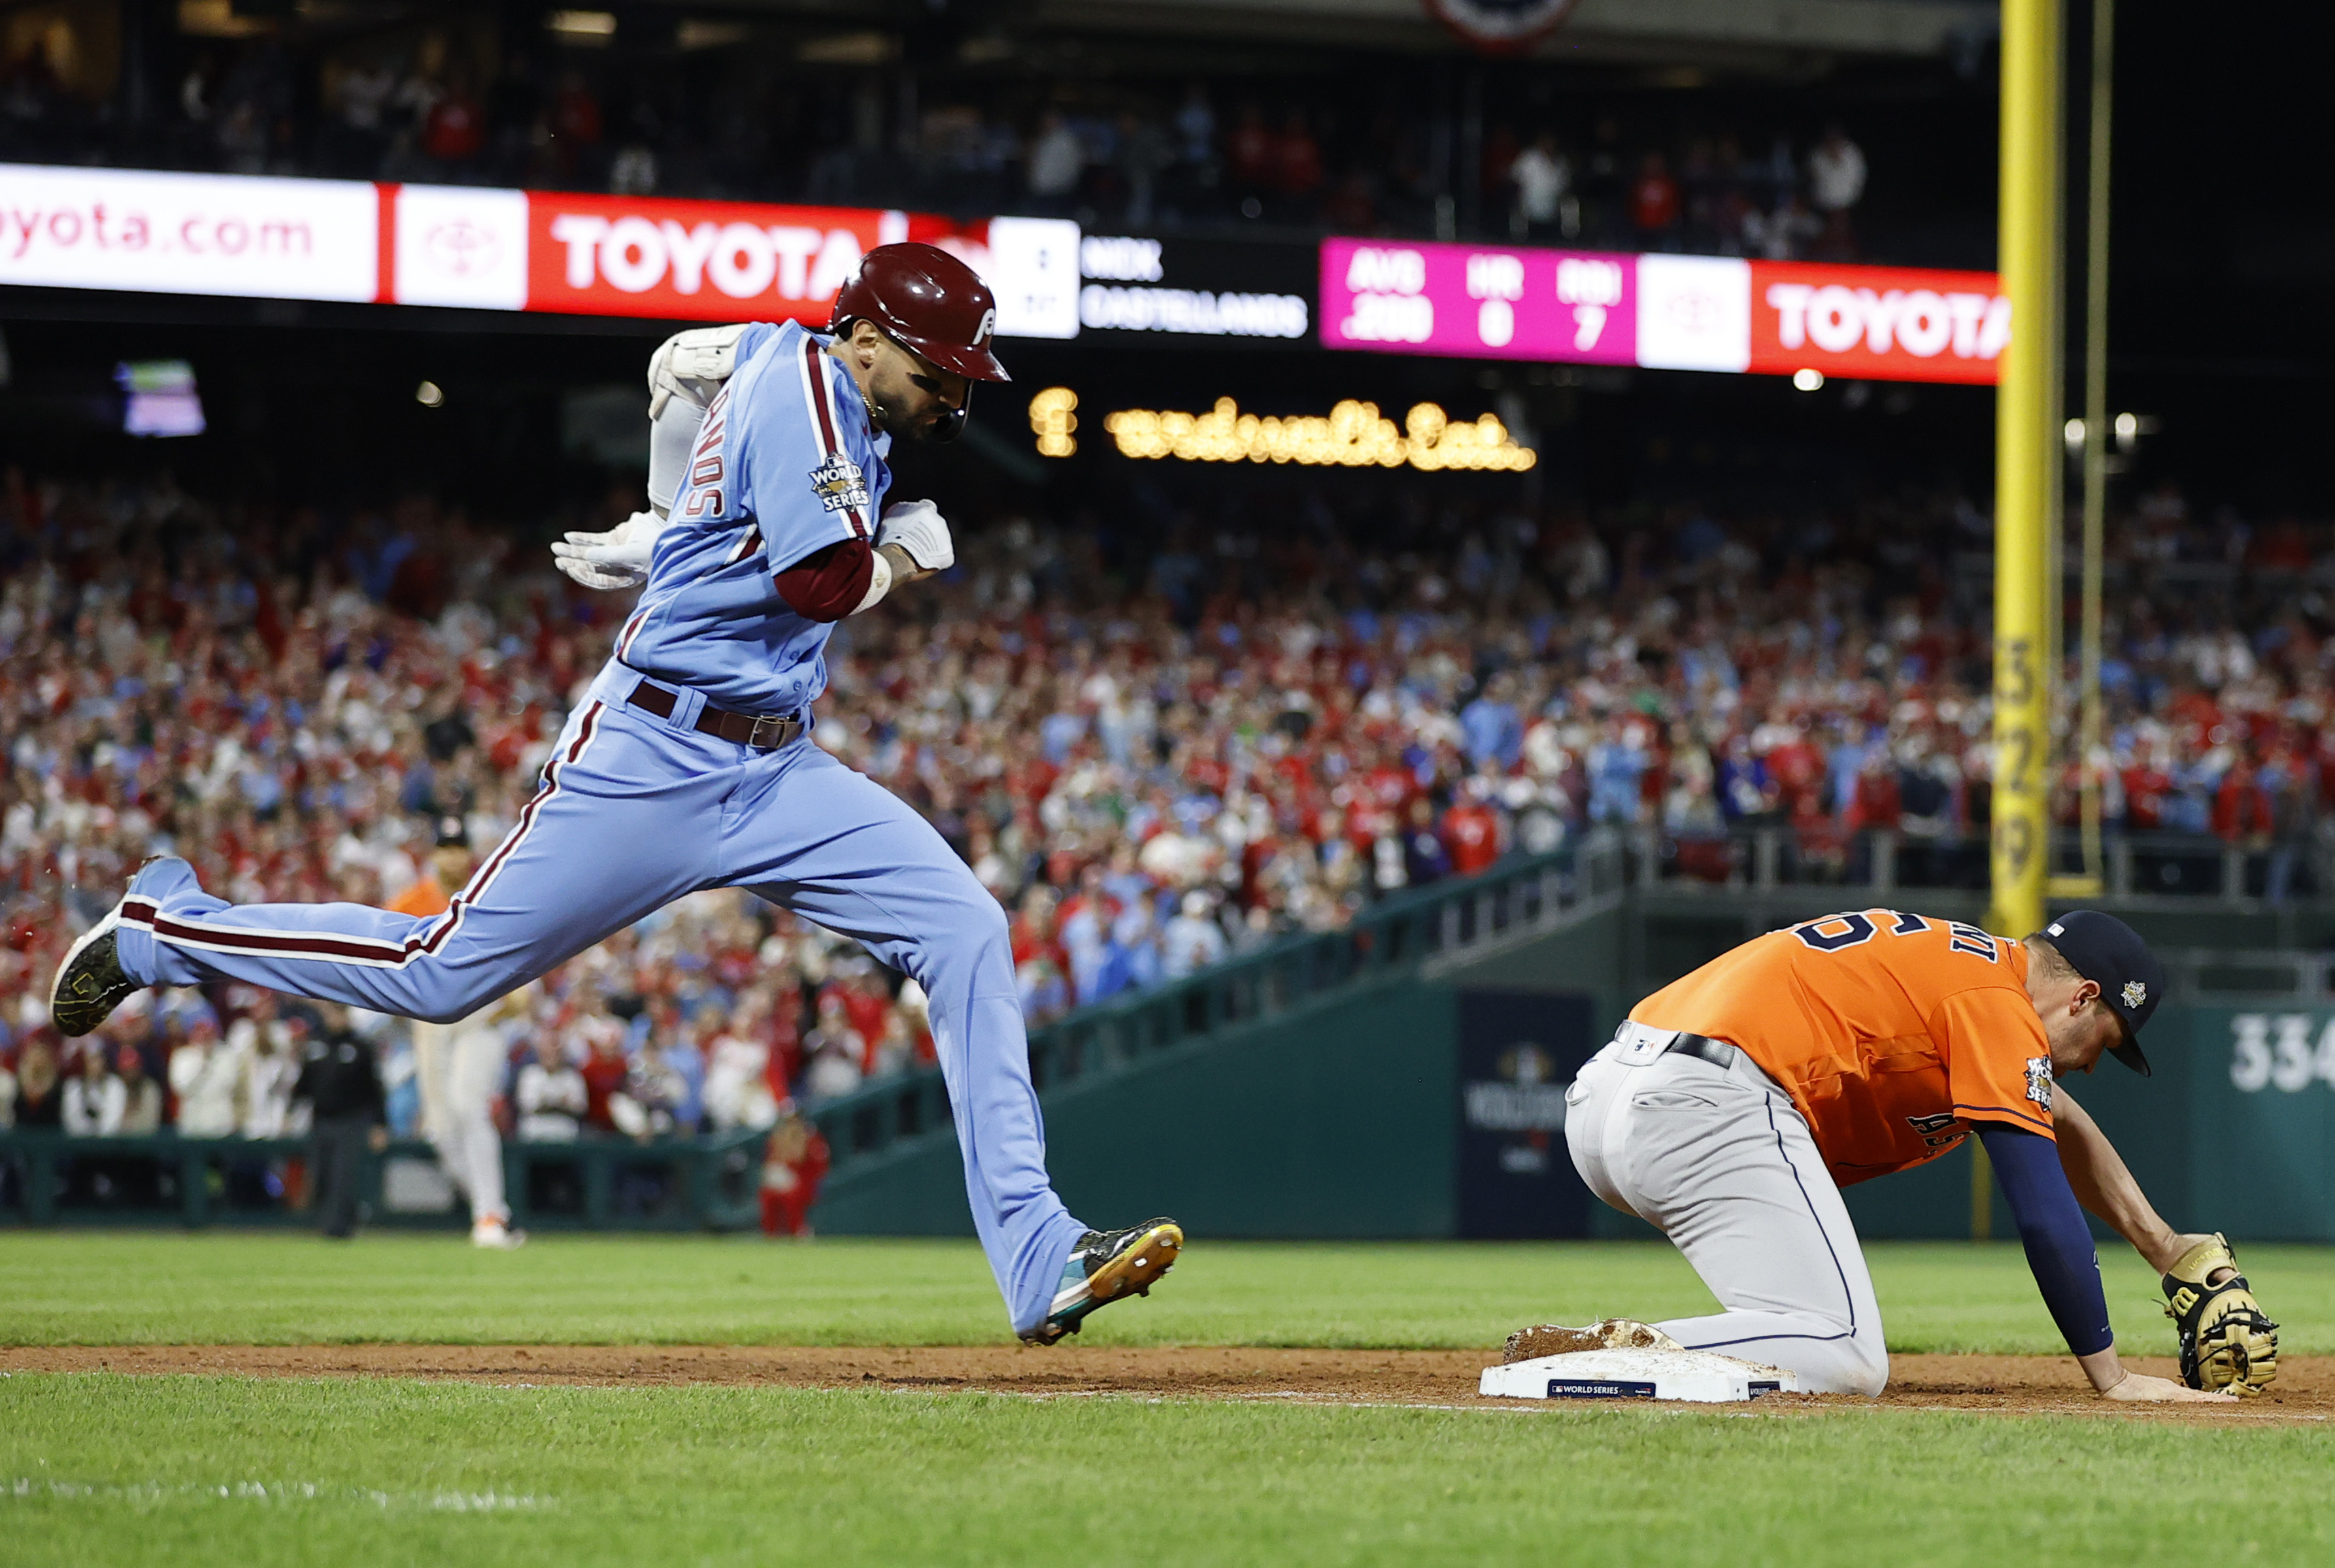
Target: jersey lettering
[[1854, 930], [1908, 925], [1970, 939], [1939, 1132], [707, 467]]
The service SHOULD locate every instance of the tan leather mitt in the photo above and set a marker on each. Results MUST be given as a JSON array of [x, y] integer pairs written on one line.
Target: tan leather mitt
[[2227, 1340]]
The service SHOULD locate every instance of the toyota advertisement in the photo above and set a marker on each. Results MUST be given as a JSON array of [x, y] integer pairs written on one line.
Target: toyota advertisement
[[666, 259], [189, 233], [1662, 312], [486, 249]]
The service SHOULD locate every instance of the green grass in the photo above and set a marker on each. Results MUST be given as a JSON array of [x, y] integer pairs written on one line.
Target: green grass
[[162, 1288], [105, 1470], [251, 1473]]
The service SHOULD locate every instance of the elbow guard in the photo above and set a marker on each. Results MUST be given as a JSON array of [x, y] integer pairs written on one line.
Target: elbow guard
[[830, 584]]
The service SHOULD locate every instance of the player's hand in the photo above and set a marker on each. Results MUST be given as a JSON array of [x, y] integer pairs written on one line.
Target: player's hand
[[618, 558], [917, 527], [2172, 1251], [2138, 1388]]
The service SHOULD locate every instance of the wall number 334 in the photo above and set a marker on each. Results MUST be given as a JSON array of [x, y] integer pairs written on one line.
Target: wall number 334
[[2286, 1050]]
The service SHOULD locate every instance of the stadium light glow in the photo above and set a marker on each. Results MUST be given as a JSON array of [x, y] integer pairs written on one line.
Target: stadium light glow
[[430, 395], [1355, 435], [583, 26], [1052, 418]]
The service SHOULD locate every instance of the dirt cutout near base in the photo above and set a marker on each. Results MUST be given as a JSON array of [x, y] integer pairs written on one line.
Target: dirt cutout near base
[[2004, 1385]]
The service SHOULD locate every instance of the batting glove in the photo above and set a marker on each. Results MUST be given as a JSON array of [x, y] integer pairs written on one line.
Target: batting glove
[[917, 528], [618, 558]]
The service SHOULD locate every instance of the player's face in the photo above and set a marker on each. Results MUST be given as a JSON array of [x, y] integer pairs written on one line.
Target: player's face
[[2080, 1028], [912, 396]]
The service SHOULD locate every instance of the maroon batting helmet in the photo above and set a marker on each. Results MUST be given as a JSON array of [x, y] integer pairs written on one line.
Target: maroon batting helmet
[[929, 301]]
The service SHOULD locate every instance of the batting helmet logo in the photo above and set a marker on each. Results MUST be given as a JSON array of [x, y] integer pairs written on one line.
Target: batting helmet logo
[[927, 301]]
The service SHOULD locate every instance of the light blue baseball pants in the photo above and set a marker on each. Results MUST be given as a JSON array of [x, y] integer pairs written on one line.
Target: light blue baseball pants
[[634, 812]]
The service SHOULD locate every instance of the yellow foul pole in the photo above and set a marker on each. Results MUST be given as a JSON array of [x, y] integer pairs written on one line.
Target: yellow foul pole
[[2027, 439]]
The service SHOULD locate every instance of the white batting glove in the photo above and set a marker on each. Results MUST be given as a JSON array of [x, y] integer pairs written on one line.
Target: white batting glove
[[618, 558], [917, 527]]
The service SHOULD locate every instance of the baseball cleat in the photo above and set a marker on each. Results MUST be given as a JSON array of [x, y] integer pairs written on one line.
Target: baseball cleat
[[1606, 1334], [90, 983], [1105, 1266], [495, 1236]]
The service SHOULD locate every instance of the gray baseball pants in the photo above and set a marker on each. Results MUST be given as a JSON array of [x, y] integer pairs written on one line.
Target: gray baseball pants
[[460, 1066], [1719, 1161]]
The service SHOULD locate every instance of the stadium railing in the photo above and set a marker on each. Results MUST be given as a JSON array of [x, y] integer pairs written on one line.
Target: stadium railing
[[705, 1182], [2187, 867]]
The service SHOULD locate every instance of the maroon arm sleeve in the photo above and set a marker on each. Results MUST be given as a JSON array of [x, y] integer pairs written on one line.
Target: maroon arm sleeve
[[827, 584]]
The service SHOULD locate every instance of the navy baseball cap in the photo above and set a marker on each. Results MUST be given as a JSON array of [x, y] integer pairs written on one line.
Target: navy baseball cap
[[2109, 953]]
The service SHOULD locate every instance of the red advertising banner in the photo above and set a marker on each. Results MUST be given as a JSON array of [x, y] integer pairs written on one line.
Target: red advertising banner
[[1878, 322], [631, 255]]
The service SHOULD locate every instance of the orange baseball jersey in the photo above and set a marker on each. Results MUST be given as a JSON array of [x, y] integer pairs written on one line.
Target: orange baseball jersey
[[1891, 1032], [422, 897]]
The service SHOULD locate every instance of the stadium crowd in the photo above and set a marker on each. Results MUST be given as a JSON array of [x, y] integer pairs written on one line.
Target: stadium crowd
[[694, 112], [1157, 746]]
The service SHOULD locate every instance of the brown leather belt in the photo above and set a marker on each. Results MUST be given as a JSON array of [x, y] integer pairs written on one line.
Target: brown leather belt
[[765, 733]]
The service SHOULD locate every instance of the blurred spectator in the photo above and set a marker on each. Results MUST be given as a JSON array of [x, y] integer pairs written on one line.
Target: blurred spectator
[[142, 1097], [39, 1097], [1193, 940], [206, 1078], [1296, 159], [94, 1098], [1544, 191], [604, 1071], [270, 1058], [650, 1104], [1196, 135], [1836, 185], [1057, 162], [793, 1164], [550, 1096], [1251, 152], [1654, 206], [1140, 153]]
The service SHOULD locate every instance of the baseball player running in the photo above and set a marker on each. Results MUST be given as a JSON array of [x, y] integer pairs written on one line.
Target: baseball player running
[[1735, 1103], [688, 767]]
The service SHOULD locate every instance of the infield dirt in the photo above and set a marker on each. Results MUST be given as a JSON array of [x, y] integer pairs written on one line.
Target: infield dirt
[[2005, 1384]]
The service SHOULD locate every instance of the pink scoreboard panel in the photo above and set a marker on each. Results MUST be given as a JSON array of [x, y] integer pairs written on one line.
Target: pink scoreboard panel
[[1662, 311], [1477, 302]]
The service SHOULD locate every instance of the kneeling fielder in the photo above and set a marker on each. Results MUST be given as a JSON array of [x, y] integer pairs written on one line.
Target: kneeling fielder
[[1733, 1105]]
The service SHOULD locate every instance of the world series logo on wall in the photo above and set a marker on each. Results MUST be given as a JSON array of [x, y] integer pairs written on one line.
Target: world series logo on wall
[[1501, 26]]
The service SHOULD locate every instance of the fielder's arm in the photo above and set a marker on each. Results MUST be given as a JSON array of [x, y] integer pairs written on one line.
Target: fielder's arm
[[2105, 1185]]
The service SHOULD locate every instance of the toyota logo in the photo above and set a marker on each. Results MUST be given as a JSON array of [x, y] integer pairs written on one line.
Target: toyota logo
[[1694, 311], [462, 247]]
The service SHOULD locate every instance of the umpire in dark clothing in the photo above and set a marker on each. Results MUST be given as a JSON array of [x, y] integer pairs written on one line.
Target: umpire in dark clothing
[[342, 1084]]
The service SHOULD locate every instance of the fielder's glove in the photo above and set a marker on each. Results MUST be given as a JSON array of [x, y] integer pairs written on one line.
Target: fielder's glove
[[2227, 1341], [917, 528], [616, 559]]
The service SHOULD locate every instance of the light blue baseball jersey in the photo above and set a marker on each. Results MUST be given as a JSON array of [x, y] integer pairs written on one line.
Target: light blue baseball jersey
[[785, 464]]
